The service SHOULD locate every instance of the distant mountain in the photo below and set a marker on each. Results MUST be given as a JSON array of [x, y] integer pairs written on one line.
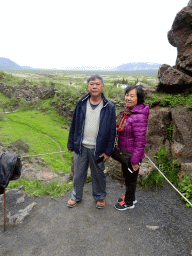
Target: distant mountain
[[7, 64], [138, 67], [132, 67]]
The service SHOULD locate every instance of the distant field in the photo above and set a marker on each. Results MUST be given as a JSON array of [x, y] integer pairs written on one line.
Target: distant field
[[75, 78]]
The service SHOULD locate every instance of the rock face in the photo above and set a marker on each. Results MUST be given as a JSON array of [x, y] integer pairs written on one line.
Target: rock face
[[181, 147], [170, 127], [28, 92], [172, 80], [178, 79]]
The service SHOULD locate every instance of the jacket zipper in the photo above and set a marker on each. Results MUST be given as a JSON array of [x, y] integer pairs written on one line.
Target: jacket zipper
[[99, 127], [82, 136]]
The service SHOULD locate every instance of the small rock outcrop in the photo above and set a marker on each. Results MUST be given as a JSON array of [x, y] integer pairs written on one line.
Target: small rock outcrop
[[28, 92], [178, 79], [148, 90], [21, 145]]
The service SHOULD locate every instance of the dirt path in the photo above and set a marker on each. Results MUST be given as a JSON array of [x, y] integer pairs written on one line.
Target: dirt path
[[160, 225]]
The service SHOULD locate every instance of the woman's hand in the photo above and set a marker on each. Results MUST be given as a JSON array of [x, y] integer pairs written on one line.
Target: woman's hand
[[106, 157], [135, 167]]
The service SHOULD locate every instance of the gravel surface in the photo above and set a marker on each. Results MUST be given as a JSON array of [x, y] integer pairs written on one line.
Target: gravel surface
[[159, 225]]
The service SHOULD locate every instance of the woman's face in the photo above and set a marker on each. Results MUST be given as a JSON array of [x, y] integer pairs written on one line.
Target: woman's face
[[131, 98]]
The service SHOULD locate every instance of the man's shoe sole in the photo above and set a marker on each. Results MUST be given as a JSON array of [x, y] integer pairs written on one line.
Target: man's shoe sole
[[71, 205], [99, 207]]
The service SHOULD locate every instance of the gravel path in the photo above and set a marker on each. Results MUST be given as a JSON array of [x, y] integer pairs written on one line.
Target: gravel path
[[159, 225]]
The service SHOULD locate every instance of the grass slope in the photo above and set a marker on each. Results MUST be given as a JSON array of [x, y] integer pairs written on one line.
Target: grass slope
[[33, 127]]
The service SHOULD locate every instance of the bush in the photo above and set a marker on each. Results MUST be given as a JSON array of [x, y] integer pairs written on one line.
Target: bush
[[167, 166], [169, 100], [185, 187]]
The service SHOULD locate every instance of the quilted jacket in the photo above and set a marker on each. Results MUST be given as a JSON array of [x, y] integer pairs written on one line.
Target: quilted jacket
[[133, 138]]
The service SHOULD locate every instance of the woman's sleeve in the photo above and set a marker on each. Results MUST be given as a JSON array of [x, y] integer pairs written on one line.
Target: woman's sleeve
[[139, 128]]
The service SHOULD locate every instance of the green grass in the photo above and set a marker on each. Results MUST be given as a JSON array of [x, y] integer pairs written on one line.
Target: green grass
[[167, 166], [170, 169], [185, 186], [38, 188], [33, 126], [168, 100]]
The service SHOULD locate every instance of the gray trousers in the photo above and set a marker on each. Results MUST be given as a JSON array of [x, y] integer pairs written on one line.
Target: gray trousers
[[81, 163]]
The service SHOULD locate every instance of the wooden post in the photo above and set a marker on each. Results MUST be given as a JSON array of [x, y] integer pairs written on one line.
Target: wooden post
[[4, 210]]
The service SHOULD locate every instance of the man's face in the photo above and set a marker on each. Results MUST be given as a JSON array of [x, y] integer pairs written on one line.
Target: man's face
[[95, 87]]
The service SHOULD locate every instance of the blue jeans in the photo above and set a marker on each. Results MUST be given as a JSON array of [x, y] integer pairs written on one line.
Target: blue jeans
[[81, 163]]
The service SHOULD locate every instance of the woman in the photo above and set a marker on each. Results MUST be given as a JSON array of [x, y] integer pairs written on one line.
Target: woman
[[132, 127]]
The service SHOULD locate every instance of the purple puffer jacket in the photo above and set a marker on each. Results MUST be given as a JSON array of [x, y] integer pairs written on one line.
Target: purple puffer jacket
[[133, 138]]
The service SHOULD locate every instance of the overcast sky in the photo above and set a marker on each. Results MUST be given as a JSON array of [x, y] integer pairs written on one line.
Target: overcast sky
[[77, 33]]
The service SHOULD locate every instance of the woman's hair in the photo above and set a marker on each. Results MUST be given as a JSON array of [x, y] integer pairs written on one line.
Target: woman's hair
[[140, 93]]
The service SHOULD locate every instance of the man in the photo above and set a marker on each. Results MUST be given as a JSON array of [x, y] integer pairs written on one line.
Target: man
[[92, 136]]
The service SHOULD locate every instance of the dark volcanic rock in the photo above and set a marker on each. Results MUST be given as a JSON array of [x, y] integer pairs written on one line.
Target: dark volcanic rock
[[178, 79], [171, 80], [180, 36], [27, 91], [182, 134]]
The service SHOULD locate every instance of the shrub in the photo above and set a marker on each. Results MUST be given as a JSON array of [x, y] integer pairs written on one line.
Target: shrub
[[185, 187], [167, 166]]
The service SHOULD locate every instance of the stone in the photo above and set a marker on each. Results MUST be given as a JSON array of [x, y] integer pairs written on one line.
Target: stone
[[158, 122], [21, 145], [27, 91], [162, 69], [180, 36], [148, 90], [49, 93], [182, 134], [114, 169], [145, 168], [173, 81], [21, 215], [190, 3], [37, 173], [152, 227], [178, 79]]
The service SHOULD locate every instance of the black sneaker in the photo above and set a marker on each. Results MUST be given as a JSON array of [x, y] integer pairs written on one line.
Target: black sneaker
[[122, 206], [123, 198]]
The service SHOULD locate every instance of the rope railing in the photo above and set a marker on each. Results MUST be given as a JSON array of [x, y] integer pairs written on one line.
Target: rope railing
[[170, 182], [44, 154]]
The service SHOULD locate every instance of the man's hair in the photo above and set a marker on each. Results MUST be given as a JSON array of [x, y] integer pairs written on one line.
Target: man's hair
[[140, 93], [94, 77]]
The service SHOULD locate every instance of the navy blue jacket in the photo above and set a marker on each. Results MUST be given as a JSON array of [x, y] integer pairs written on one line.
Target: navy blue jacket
[[107, 127]]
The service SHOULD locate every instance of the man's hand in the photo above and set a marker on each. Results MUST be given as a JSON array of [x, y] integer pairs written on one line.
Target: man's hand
[[106, 157], [135, 167]]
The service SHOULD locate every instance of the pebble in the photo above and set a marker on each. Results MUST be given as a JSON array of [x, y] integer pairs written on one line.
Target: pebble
[[152, 227]]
